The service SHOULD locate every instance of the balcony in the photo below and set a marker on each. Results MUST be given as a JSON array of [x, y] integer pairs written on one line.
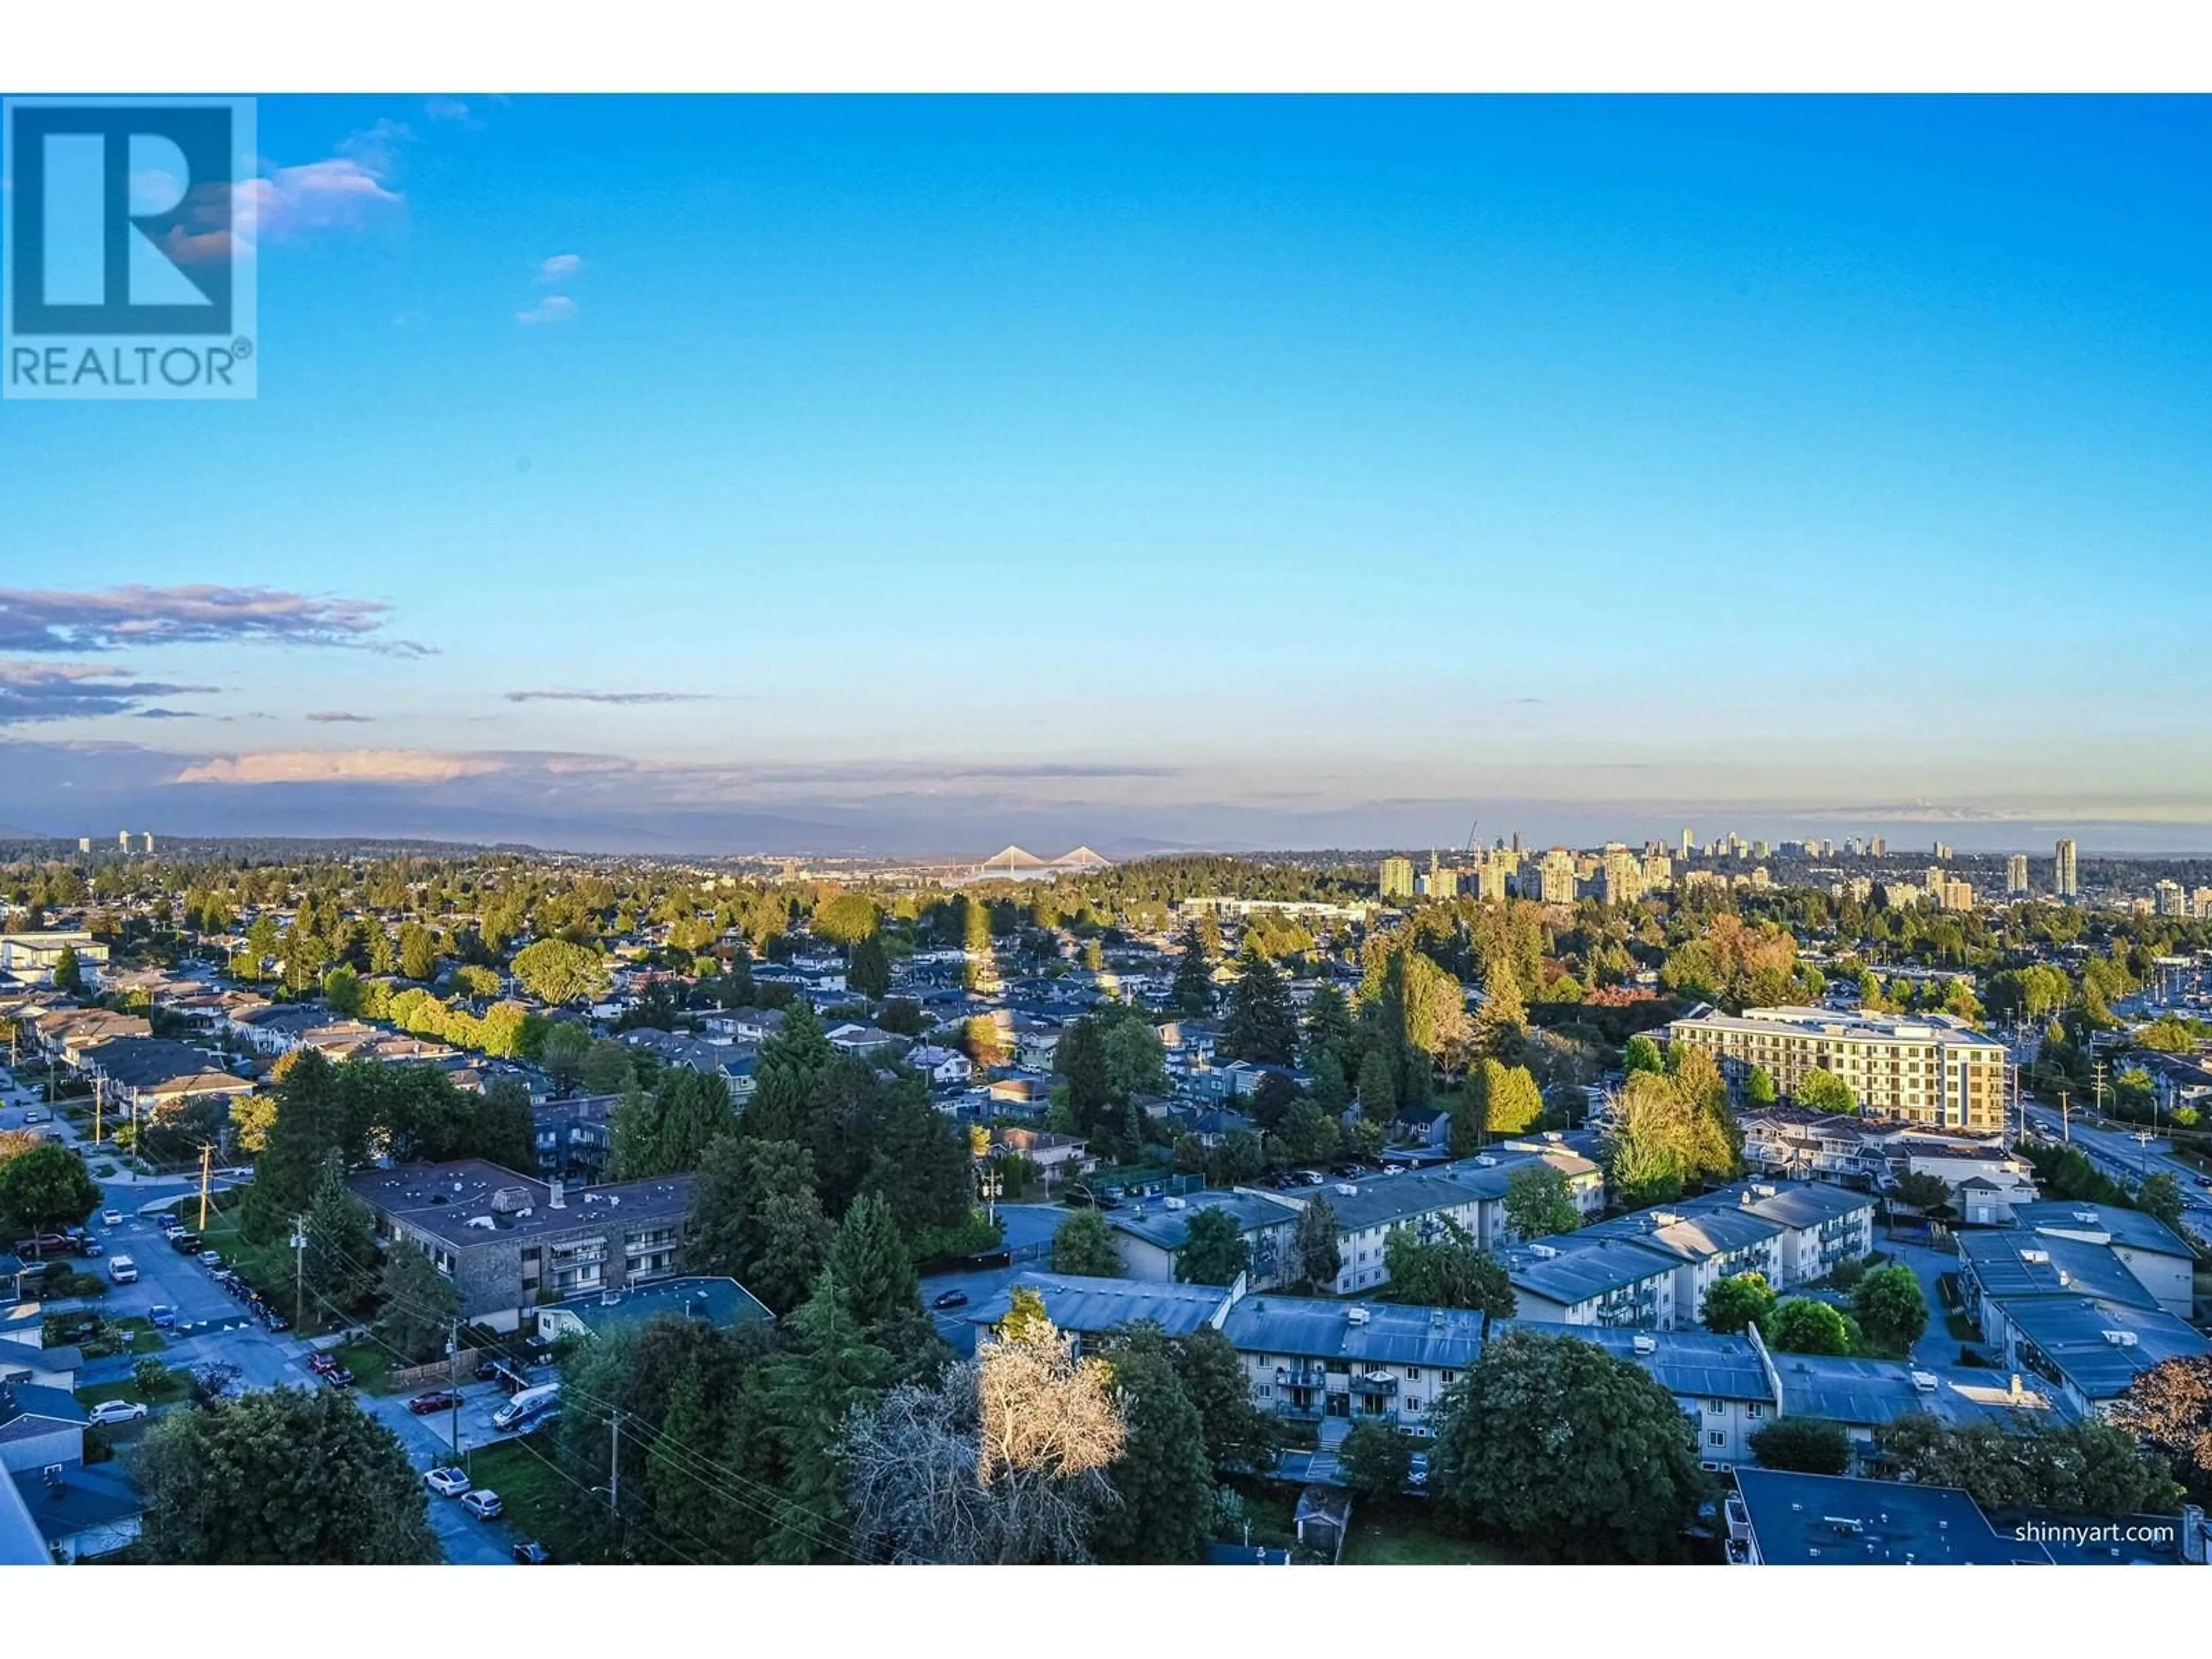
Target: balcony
[[1379, 1384], [1301, 1376]]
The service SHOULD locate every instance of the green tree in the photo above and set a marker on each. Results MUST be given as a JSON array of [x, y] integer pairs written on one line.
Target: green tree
[[756, 1217], [556, 971], [418, 952], [563, 1053], [502, 1129], [417, 1305], [339, 1263], [2160, 1196], [2087, 1468], [1643, 1055], [1737, 1302], [2169, 1409], [868, 972], [869, 1261], [1193, 990], [1136, 1062], [1512, 1104], [282, 1477], [847, 919], [1758, 1089], [1803, 1445], [607, 1068], [1084, 1246], [1239, 1434], [1374, 1460], [1822, 1091], [1449, 1270], [1918, 1190], [1890, 1309], [69, 973], [1538, 1202], [1314, 1245], [1261, 1024], [1081, 1059], [1555, 1445], [1378, 1087], [831, 1371], [1162, 1476], [47, 1188], [1214, 1250], [1801, 1325]]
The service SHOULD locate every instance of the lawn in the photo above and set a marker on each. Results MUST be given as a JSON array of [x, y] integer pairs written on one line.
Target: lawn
[[370, 1363], [1404, 1535], [179, 1388], [537, 1501], [269, 1268]]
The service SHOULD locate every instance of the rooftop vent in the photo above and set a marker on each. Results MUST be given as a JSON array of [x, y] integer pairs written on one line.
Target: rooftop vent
[[2121, 1338], [1923, 1380], [1485, 1161], [1347, 1189], [2087, 1217], [1644, 1344], [2035, 1255], [1357, 1315], [1543, 1252], [1175, 1204], [482, 1221], [508, 1200]]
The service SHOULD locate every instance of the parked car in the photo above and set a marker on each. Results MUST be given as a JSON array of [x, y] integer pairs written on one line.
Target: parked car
[[532, 1555], [90, 1248], [185, 1244], [211, 1258], [321, 1363], [119, 1411], [36, 1114], [952, 1299], [340, 1378], [447, 1482], [483, 1503], [274, 1321], [162, 1317], [122, 1269], [438, 1400], [43, 1244]]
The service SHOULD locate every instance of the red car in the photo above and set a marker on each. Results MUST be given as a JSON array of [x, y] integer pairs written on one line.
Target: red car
[[321, 1363], [438, 1400]]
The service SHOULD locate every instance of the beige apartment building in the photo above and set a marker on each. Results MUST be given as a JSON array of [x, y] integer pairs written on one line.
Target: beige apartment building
[[1924, 1068]]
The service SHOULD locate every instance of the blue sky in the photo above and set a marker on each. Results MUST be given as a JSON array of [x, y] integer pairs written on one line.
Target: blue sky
[[929, 473]]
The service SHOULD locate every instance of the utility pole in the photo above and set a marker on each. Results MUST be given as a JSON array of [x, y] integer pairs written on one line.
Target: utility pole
[[99, 1104], [2098, 1071], [453, 1347], [614, 1462], [207, 1169], [299, 1273], [2065, 1118]]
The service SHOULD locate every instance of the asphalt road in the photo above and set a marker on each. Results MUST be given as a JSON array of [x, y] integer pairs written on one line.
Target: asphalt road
[[2117, 1153], [212, 1328]]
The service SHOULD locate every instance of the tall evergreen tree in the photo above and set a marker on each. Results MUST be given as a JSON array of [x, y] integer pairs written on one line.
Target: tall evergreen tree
[[1193, 991], [1261, 1025]]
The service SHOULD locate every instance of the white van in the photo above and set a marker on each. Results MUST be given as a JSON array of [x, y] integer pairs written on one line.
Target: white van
[[525, 1407], [123, 1270]]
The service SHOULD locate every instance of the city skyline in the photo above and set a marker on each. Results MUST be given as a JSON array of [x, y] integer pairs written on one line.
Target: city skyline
[[918, 476]]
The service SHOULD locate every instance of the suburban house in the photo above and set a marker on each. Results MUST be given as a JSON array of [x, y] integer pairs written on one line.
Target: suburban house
[[509, 1242], [67, 1033], [1061, 1157], [945, 1066], [152, 1077], [32, 957]]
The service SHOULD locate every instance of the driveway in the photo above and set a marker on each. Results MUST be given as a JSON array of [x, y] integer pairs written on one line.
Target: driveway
[[1936, 1345]]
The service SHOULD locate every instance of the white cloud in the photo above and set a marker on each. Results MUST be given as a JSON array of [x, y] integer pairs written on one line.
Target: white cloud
[[340, 766], [553, 309], [560, 267]]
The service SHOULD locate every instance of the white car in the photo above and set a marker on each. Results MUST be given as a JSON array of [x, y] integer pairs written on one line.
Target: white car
[[483, 1503], [447, 1482], [110, 1217], [118, 1411]]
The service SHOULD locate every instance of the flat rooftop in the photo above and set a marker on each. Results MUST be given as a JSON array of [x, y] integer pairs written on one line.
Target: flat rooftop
[[471, 1202]]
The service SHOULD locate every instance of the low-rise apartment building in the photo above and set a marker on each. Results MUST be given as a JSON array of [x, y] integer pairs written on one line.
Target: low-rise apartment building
[[510, 1242], [1308, 1358]]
